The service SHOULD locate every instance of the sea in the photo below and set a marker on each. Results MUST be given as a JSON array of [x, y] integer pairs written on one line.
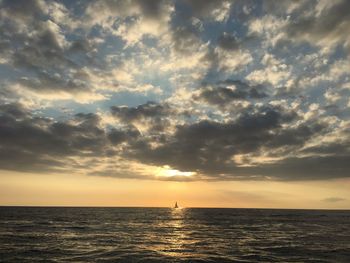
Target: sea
[[82, 234]]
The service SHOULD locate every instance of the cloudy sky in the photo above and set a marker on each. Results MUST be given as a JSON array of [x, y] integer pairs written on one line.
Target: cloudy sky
[[138, 102]]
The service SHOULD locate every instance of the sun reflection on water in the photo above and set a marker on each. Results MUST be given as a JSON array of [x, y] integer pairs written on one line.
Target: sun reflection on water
[[178, 238], [174, 240]]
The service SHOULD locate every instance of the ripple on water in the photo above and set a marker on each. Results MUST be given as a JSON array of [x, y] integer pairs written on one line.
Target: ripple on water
[[167, 235]]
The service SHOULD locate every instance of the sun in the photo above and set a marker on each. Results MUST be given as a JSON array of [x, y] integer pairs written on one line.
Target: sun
[[167, 171]]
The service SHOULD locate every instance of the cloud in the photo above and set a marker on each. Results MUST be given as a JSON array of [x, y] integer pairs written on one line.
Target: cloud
[[261, 142], [208, 146], [265, 137], [319, 23], [42, 52], [119, 136], [186, 40], [150, 117], [305, 168], [212, 9], [333, 199], [57, 137], [231, 61], [149, 110], [274, 72], [42, 144], [131, 20], [327, 27], [225, 92], [228, 42]]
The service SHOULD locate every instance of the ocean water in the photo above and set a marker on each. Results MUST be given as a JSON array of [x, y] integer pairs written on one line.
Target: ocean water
[[33, 234]]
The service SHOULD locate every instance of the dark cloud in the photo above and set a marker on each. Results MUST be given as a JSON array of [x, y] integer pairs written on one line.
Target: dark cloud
[[305, 168], [25, 142], [186, 39], [225, 92], [151, 8], [14, 110], [228, 42], [147, 110], [296, 135], [331, 25], [329, 148], [40, 135], [22, 9], [80, 46], [186, 28], [32, 35], [208, 146], [32, 143], [53, 83], [40, 143], [152, 114], [40, 50], [58, 53], [119, 136]]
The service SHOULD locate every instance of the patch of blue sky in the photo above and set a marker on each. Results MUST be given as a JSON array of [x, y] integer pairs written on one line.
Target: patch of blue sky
[[216, 75], [150, 41], [182, 11], [338, 53], [288, 49], [127, 98], [59, 112], [76, 8], [112, 45], [7, 73]]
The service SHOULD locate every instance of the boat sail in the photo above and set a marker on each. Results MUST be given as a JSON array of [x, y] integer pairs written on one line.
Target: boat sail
[[176, 206]]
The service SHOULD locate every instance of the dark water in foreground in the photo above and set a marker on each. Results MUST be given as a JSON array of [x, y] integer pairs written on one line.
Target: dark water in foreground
[[167, 235]]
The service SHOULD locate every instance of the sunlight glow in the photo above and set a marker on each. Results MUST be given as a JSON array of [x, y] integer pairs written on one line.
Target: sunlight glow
[[167, 171]]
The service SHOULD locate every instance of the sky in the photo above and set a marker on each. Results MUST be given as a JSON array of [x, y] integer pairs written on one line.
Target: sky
[[145, 102]]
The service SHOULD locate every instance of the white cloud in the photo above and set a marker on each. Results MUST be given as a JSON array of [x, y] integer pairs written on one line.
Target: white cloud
[[129, 19], [222, 12], [276, 75], [332, 96], [230, 61], [269, 27]]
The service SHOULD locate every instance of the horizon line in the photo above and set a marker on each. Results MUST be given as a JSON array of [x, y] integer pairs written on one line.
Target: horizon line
[[170, 207]]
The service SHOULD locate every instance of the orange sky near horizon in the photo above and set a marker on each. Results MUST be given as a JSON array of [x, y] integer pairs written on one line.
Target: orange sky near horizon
[[80, 190]]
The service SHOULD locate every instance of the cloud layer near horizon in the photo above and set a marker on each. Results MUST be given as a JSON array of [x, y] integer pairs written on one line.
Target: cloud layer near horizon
[[218, 90]]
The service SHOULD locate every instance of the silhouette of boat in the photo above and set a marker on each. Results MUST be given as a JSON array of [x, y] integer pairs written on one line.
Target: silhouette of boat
[[176, 206]]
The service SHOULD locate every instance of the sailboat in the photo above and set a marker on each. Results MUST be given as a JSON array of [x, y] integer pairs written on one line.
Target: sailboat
[[176, 206]]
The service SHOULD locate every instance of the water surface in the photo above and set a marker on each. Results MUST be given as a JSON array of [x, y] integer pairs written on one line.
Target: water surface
[[34, 234]]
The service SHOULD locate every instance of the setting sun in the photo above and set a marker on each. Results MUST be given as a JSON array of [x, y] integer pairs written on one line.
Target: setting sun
[[168, 172]]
